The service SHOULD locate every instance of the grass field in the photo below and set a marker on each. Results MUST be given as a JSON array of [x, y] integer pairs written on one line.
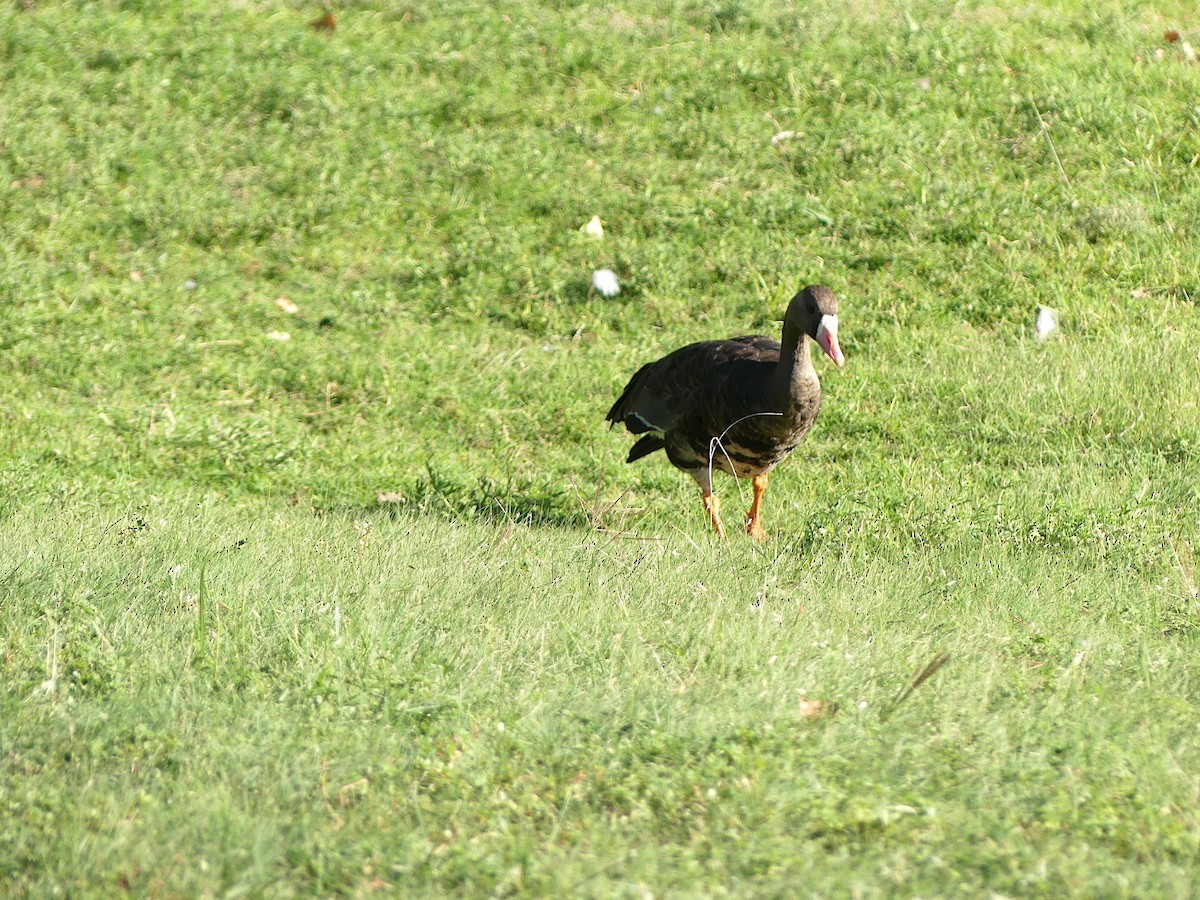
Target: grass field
[[320, 575]]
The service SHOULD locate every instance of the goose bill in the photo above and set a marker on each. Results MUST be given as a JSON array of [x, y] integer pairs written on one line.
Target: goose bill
[[827, 339]]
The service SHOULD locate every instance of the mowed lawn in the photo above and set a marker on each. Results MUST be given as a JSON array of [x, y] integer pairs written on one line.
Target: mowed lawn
[[320, 574]]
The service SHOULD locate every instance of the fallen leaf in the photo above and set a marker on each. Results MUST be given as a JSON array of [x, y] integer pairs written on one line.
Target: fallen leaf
[[327, 22], [1170, 35], [815, 709]]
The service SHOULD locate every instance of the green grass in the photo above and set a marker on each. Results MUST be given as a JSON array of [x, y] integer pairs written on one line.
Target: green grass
[[227, 667]]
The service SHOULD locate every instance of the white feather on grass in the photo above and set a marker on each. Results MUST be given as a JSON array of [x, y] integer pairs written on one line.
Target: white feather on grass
[[594, 227], [1047, 322], [605, 281]]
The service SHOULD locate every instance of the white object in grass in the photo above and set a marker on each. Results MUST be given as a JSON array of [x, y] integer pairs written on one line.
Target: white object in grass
[[605, 281], [594, 227], [1047, 322]]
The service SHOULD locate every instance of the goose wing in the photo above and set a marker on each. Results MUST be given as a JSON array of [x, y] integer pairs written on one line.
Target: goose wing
[[664, 393]]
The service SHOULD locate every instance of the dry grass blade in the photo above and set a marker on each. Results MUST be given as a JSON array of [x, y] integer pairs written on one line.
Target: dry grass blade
[[1050, 142], [919, 678], [597, 511], [503, 539], [1186, 562]]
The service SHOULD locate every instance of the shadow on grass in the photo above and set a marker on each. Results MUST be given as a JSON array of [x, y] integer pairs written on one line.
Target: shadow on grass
[[459, 497]]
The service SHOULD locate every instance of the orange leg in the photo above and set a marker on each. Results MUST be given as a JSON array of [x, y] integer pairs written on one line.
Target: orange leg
[[713, 507], [754, 522]]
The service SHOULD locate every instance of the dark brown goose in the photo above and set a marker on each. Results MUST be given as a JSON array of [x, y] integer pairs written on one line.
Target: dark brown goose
[[740, 405]]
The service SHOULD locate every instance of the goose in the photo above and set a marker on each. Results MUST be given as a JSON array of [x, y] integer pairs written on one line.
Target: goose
[[739, 405]]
